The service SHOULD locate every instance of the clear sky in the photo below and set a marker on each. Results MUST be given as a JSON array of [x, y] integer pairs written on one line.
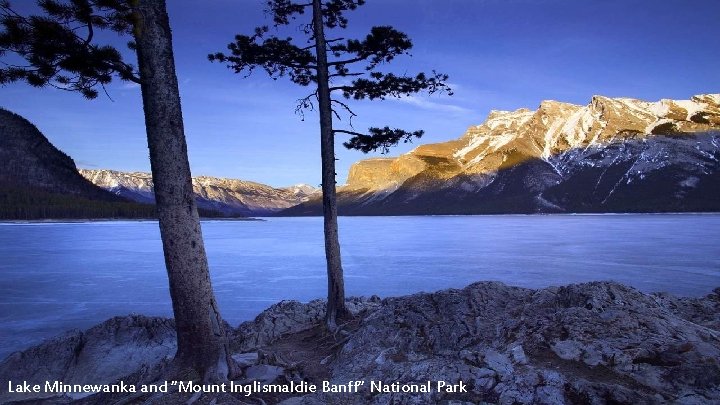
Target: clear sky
[[500, 54]]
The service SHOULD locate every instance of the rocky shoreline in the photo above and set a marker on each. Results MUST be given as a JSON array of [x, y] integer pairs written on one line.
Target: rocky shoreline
[[590, 343]]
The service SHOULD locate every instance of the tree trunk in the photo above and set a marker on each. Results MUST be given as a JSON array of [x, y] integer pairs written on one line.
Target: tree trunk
[[336, 286], [202, 340]]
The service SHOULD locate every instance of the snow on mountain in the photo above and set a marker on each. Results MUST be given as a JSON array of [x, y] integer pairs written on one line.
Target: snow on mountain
[[511, 161], [228, 196]]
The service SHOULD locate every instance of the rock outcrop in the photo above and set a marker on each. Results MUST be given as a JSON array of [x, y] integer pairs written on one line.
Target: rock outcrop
[[288, 317], [594, 343], [587, 343], [665, 154], [104, 353], [228, 196]]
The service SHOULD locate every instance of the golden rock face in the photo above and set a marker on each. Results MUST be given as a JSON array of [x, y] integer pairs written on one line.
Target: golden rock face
[[508, 138]]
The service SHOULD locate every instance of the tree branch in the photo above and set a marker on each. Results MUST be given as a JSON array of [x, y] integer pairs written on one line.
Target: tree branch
[[379, 138], [346, 74], [342, 131], [347, 61], [305, 103], [343, 88], [347, 109], [68, 61], [278, 57]]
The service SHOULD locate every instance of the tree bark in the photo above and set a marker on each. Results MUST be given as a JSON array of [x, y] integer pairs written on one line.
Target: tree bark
[[336, 286], [202, 340]]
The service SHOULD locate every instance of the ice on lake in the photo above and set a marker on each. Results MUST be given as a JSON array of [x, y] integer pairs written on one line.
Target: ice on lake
[[73, 275]]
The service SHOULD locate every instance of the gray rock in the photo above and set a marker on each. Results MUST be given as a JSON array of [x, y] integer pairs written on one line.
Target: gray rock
[[518, 355], [593, 343], [288, 317], [499, 362], [245, 359], [512, 395], [568, 350], [546, 395], [101, 354], [264, 373], [597, 341], [485, 383], [292, 401]]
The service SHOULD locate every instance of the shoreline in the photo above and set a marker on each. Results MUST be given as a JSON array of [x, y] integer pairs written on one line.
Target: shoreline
[[512, 350], [265, 218], [537, 214], [714, 290]]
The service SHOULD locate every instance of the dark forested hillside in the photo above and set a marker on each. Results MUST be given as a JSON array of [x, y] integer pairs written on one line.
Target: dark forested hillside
[[25, 203], [38, 181]]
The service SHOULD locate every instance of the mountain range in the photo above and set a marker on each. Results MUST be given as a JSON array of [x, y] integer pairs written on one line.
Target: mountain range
[[39, 181], [612, 155], [230, 197]]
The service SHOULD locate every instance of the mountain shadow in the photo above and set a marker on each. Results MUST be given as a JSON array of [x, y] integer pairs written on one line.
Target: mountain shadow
[[662, 173]]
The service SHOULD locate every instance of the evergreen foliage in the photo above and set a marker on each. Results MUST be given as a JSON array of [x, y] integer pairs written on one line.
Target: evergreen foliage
[[362, 60], [23, 203], [58, 48], [26, 203]]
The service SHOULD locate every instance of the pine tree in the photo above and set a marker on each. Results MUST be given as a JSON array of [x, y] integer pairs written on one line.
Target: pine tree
[[55, 54], [325, 63]]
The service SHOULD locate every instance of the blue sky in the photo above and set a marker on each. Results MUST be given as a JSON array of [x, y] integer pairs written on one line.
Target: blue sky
[[500, 54]]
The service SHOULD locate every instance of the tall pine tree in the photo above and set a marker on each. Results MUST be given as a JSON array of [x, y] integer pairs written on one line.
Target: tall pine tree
[[325, 62], [59, 49]]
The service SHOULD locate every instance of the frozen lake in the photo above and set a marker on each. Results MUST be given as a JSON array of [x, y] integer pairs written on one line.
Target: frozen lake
[[73, 275]]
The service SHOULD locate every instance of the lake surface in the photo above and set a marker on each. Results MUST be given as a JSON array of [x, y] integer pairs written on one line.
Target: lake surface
[[57, 276]]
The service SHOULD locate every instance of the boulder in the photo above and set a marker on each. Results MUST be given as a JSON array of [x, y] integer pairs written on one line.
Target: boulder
[[593, 343], [102, 354]]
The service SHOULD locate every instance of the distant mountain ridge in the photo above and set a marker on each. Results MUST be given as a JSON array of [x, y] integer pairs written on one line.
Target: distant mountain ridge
[[612, 155], [38, 181], [228, 196]]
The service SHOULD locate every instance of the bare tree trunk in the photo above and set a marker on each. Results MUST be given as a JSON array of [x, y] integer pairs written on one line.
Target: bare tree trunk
[[202, 340], [336, 285]]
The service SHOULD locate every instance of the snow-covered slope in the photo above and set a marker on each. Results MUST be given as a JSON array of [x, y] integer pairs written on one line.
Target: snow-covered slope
[[508, 163], [229, 196]]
